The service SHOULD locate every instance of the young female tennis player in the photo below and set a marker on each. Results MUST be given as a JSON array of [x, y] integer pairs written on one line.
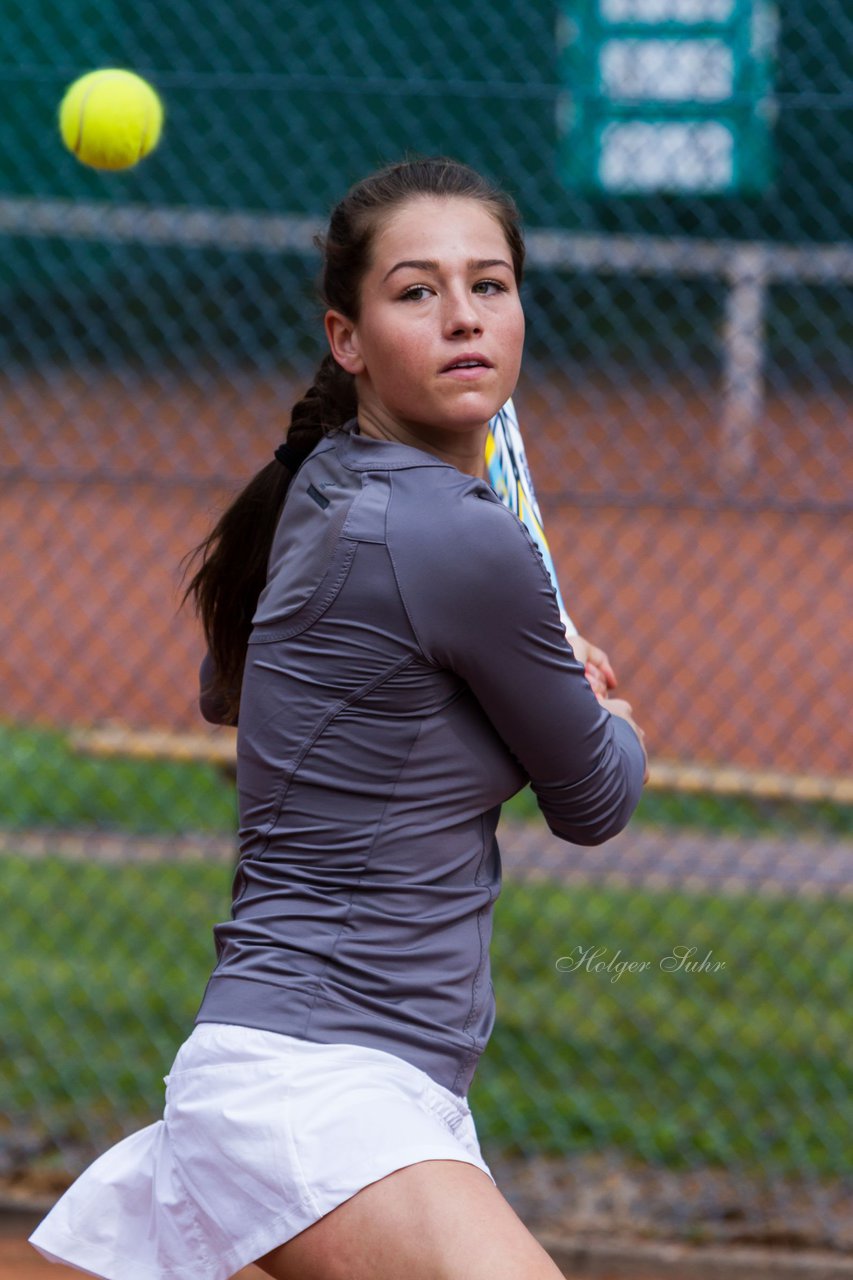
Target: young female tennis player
[[390, 636]]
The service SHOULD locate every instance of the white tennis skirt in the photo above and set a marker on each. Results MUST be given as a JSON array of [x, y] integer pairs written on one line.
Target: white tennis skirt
[[262, 1135]]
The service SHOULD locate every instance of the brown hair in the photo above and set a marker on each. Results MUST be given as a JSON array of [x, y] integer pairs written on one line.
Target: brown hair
[[235, 554]]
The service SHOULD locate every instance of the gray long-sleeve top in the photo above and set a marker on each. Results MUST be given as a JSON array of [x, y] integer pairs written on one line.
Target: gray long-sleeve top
[[407, 672]]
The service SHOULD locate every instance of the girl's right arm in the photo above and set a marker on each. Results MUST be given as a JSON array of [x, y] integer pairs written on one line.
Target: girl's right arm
[[482, 604]]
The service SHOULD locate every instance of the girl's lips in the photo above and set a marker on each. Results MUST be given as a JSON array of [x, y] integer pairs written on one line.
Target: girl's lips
[[467, 373], [466, 365]]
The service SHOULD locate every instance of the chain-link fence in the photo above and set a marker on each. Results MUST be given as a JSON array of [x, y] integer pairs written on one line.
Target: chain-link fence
[[674, 1005]]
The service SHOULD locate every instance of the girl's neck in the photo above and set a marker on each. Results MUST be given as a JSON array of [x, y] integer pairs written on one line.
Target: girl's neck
[[465, 450]]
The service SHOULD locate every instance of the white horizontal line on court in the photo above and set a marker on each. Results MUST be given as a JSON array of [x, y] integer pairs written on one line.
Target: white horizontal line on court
[[196, 228], [642, 858]]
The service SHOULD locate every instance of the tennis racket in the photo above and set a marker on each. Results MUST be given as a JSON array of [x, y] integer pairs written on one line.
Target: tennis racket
[[509, 475]]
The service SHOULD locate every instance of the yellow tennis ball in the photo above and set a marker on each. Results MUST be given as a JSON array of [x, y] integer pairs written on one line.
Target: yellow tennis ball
[[110, 119]]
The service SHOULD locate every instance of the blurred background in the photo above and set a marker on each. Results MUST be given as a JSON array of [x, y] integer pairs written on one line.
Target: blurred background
[[683, 169]]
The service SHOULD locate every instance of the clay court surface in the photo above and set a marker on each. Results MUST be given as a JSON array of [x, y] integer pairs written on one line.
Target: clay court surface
[[720, 600], [19, 1261]]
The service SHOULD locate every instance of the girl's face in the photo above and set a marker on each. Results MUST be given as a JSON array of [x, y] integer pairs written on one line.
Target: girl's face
[[436, 349]]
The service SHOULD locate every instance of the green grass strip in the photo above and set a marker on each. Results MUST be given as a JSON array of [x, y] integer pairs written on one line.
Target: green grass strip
[[45, 783], [103, 968]]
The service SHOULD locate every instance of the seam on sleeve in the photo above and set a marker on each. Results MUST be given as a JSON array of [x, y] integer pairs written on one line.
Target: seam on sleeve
[[422, 650]]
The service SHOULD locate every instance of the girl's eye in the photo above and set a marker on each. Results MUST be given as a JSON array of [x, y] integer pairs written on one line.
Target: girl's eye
[[490, 286], [415, 292]]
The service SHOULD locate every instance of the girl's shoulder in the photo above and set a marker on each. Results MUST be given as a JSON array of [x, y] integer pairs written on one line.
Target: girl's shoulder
[[445, 505]]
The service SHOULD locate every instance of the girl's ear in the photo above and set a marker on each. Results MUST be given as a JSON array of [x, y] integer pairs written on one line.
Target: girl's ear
[[343, 342]]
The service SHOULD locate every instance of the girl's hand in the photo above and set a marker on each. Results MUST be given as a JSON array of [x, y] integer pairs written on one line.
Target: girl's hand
[[619, 707], [598, 670]]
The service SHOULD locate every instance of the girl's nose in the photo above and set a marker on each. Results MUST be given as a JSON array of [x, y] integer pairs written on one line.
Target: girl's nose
[[461, 316]]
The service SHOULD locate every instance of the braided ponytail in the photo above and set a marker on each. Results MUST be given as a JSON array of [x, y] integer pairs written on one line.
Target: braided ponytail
[[235, 555], [326, 405]]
